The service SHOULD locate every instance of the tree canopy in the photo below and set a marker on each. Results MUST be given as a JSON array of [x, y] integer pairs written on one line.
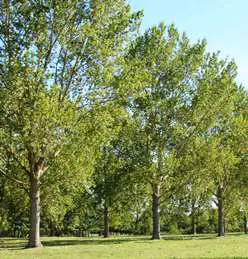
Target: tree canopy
[[104, 127]]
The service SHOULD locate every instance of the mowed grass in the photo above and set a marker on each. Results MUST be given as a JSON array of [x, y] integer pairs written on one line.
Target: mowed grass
[[199, 246]]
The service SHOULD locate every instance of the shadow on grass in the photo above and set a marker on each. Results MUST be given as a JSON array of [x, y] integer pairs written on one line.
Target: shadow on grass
[[12, 245], [189, 237], [200, 236], [103, 241], [18, 244]]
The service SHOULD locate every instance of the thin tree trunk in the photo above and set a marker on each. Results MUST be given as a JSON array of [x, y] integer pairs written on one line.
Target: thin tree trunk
[[52, 229], [245, 225], [106, 221], [137, 221], [34, 235], [193, 224], [155, 212], [221, 223], [193, 219]]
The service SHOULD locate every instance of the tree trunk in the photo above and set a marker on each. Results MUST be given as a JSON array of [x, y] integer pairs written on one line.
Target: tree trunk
[[34, 235], [52, 229], [136, 221], [193, 219], [221, 223], [245, 224], [193, 224], [155, 213], [106, 221]]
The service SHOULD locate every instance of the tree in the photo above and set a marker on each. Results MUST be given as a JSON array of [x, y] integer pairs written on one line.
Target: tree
[[114, 177], [226, 139], [238, 140], [57, 60], [181, 93]]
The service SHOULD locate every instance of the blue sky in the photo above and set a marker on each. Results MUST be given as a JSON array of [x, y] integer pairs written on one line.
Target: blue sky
[[224, 23]]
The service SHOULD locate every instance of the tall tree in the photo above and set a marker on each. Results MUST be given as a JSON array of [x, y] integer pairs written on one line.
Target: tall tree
[[228, 138], [114, 178], [181, 93], [57, 59]]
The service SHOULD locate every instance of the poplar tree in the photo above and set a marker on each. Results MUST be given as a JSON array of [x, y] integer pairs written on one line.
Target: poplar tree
[[58, 61], [181, 93]]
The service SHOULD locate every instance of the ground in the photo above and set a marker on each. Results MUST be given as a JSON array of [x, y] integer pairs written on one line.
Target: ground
[[199, 246]]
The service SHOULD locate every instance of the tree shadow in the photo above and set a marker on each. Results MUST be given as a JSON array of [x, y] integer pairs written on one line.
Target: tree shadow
[[236, 234], [18, 244], [12, 244], [100, 241], [190, 237], [199, 236]]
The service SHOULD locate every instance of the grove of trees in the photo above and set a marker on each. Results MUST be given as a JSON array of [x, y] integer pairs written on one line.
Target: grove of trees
[[106, 129]]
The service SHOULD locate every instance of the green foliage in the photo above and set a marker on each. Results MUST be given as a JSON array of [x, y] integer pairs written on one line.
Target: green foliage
[[100, 116]]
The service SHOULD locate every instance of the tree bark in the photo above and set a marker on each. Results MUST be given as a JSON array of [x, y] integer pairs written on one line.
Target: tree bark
[[155, 213], [245, 225], [136, 221], [34, 235], [106, 221], [193, 219], [193, 224], [221, 223]]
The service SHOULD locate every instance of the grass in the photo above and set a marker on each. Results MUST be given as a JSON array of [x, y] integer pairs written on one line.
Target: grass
[[199, 246]]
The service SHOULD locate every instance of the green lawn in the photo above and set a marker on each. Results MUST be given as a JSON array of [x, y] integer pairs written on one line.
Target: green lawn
[[200, 246]]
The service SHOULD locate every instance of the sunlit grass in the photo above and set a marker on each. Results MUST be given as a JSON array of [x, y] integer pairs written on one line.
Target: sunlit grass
[[200, 246]]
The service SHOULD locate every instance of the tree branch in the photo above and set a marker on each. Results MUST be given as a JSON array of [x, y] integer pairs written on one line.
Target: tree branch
[[23, 184]]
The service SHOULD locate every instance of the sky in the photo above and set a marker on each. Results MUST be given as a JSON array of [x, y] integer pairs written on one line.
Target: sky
[[223, 23]]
